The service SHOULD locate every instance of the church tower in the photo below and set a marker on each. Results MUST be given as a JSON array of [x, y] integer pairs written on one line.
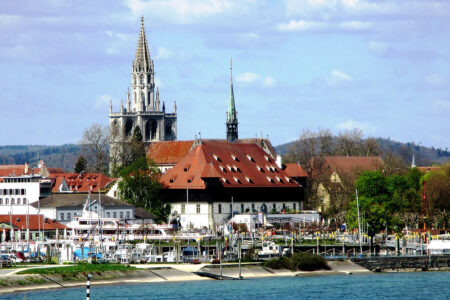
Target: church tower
[[232, 122], [141, 108]]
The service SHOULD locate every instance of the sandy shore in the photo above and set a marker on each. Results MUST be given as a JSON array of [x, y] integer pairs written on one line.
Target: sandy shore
[[181, 272]]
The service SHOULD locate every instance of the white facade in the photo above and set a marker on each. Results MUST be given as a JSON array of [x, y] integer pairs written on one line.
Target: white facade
[[208, 215], [17, 193]]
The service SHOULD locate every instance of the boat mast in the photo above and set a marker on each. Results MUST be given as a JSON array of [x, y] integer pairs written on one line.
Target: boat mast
[[359, 223]]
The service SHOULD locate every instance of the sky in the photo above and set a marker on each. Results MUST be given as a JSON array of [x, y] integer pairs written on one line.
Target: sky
[[382, 66]]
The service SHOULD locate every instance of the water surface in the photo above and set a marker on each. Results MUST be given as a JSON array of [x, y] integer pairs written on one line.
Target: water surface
[[421, 285]]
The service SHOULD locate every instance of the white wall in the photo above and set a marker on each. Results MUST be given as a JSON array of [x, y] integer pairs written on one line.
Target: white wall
[[31, 191]]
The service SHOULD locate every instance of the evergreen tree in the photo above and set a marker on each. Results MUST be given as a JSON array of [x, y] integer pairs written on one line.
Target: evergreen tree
[[80, 165]]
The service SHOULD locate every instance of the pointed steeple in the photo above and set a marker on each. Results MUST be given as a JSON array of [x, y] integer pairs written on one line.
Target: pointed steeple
[[157, 99], [142, 61], [413, 162], [128, 100], [232, 122]]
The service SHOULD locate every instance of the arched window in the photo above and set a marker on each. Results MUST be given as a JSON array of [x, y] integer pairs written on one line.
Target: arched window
[[150, 130], [128, 127], [168, 131]]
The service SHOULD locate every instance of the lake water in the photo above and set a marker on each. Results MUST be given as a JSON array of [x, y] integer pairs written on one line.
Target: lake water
[[421, 285]]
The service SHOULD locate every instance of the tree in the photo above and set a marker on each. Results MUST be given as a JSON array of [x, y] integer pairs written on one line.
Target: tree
[[139, 185], [137, 146], [80, 165], [95, 148]]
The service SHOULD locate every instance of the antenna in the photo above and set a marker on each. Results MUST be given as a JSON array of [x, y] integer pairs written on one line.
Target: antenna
[[231, 69]]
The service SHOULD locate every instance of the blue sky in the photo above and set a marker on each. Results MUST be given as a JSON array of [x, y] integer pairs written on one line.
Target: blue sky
[[382, 66]]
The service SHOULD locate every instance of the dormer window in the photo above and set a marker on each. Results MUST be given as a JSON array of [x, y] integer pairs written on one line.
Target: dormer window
[[270, 179], [216, 157], [288, 179], [250, 158], [234, 158], [279, 179], [237, 180], [248, 179], [229, 168], [260, 169], [186, 167]]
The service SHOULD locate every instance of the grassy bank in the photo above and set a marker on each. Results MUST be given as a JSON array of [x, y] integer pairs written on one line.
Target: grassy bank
[[299, 262], [80, 268]]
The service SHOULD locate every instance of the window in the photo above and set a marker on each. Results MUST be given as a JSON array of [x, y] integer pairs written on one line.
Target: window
[[128, 215], [284, 205], [69, 216], [242, 208], [183, 208], [114, 214], [220, 208], [198, 208], [17, 192], [6, 201], [13, 201], [18, 201], [274, 206], [108, 214], [61, 216], [295, 206], [253, 206], [231, 208], [1, 201], [22, 192], [25, 201], [121, 214]]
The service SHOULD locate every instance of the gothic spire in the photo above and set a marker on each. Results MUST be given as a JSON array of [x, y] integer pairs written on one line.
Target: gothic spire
[[232, 122], [142, 60]]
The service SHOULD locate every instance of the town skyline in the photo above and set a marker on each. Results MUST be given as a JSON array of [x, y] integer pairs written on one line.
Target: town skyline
[[377, 66]]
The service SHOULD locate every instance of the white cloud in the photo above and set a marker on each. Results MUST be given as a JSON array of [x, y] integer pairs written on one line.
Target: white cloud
[[164, 53], [441, 105], [328, 26], [379, 48], [337, 79], [300, 25], [180, 11], [253, 78], [340, 75], [350, 124], [269, 81], [248, 77]]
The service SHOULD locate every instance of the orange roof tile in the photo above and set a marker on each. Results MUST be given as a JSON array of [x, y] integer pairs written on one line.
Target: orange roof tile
[[34, 222], [236, 165], [295, 170], [351, 163], [82, 183], [168, 152], [428, 169]]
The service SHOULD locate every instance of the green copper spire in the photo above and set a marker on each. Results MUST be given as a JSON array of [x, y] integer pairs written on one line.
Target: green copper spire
[[232, 122]]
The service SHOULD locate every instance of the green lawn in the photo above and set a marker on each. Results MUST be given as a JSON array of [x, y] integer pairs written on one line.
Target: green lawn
[[80, 268]]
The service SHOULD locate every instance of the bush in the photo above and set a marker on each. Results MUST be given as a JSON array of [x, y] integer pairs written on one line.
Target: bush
[[300, 261]]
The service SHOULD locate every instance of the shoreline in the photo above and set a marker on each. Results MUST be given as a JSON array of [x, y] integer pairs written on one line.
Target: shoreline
[[178, 273]]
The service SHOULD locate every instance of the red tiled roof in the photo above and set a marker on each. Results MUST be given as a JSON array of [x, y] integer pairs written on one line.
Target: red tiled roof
[[295, 170], [17, 170], [261, 142], [34, 222], [236, 165], [428, 169], [82, 183], [351, 163], [168, 152]]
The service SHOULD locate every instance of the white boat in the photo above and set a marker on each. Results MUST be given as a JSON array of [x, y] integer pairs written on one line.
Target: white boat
[[440, 246], [271, 250]]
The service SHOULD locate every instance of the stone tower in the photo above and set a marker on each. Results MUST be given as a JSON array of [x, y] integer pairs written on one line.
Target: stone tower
[[142, 106], [232, 122]]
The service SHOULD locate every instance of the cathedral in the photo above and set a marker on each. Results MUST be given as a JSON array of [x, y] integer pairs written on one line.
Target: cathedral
[[143, 106]]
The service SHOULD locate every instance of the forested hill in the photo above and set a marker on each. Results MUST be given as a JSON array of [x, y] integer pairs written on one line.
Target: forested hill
[[63, 156], [425, 156]]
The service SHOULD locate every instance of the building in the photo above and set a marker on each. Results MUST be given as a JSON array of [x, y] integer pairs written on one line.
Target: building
[[80, 183], [63, 207], [18, 192], [35, 225], [218, 178], [143, 106], [340, 172]]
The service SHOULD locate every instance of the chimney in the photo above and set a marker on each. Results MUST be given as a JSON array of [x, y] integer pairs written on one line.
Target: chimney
[[279, 161], [26, 168]]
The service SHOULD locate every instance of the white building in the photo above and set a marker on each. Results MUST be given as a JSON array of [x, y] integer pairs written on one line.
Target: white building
[[19, 192]]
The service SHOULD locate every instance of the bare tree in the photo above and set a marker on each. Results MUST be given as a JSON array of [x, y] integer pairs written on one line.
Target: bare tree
[[95, 148]]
